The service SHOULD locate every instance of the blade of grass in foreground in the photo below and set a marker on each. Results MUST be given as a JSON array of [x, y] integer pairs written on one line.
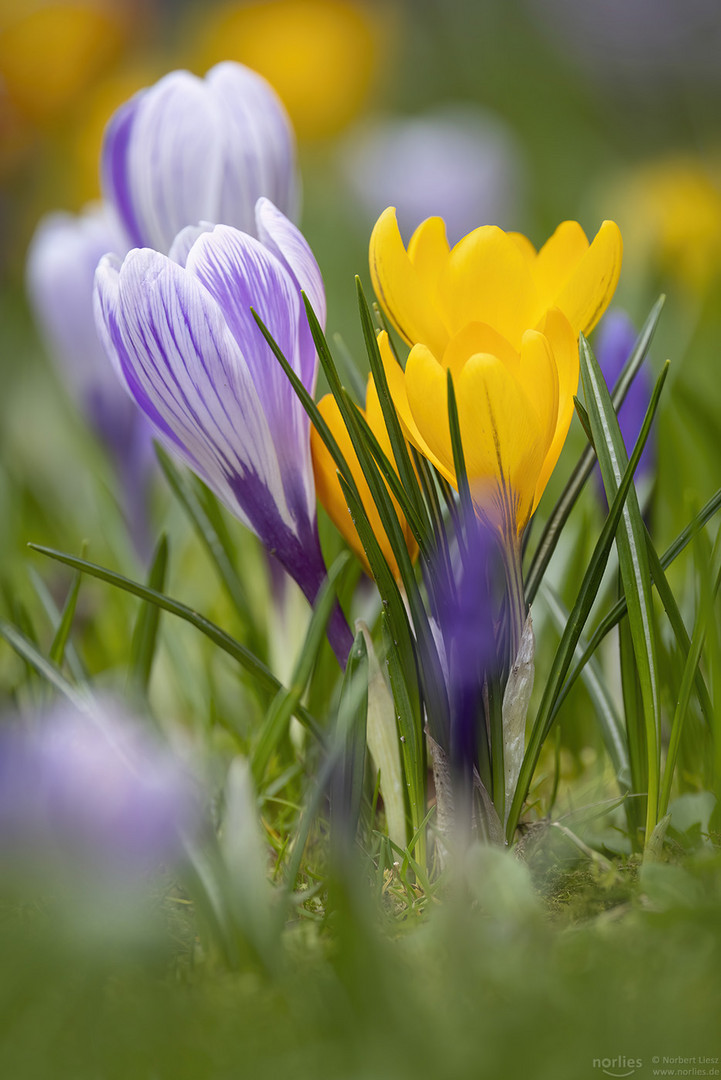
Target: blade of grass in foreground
[[255, 667], [145, 633], [619, 609], [577, 619], [633, 561], [561, 511], [44, 667], [286, 702]]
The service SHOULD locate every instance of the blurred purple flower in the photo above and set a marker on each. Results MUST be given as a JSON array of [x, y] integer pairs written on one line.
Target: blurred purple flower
[[464, 609], [459, 162], [616, 339], [187, 150], [90, 788], [61, 262], [182, 337]]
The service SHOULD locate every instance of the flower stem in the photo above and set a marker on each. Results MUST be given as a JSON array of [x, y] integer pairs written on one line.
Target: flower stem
[[511, 549]]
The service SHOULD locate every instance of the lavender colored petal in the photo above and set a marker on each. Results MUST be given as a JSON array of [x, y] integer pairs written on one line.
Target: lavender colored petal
[[185, 370], [289, 245], [240, 273], [260, 156], [164, 161], [115, 165], [180, 248]]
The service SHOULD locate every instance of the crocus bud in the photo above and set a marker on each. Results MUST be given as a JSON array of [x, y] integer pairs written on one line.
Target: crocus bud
[[187, 150]]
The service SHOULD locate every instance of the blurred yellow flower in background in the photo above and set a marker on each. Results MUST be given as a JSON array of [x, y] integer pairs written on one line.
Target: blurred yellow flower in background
[[50, 52], [504, 319], [328, 486], [321, 56], [670, 210]]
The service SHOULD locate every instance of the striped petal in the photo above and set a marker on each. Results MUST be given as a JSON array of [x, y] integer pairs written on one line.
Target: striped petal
[[260, 156], [185, 369], [240, 274]]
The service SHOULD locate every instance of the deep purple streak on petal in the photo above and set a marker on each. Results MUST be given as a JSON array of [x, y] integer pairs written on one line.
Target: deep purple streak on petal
[[241, 274], [116, 179]]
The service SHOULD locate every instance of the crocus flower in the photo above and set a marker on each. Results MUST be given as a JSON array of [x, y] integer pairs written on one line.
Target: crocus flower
[[183, 339], [187, 150], [616, 339], [62, 258], [504, 319], [328, 486], [89, 789], [458, 161]]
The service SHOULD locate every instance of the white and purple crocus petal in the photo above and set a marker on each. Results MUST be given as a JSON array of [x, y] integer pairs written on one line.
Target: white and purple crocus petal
[[190, 149], [186, 345]]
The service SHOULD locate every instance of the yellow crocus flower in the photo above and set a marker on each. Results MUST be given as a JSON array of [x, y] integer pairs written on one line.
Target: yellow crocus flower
[[504, 319], [328, 486]]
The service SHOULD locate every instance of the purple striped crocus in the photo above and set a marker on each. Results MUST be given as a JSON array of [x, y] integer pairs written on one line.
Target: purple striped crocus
[[189, 149], [61, 262], [180, 332]]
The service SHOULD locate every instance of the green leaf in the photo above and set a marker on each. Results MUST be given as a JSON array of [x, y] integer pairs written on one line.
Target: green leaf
[[44, 667], [62, 634], [145, 632], [619, 609], [398, 443], [561, 511], [610, 723], [193, 498], [350, 737], [690, 669], [286, 702], [70, 656], [633, 561], [255, 667], [579, 614]]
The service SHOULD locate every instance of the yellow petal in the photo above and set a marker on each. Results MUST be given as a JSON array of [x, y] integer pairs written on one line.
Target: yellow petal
[[558, 259], [502, 439], [397, 387], [488, 280], [401, 288], [376, 421], [429, 252], [588, 291], [538, 375], [562, 340], [524, 245], [478, 338], [427, 391]]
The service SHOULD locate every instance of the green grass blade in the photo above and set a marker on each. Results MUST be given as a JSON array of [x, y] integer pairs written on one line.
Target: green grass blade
[[619, 609], [71, 657], [145, 632], [693, 660], [610, 723], [410, 731], [577, 620], [32, 656], [633, 560], [347, 787], [62, 634], [255, 667], [187, 492], [459, 458], [561, 511], [398, 443], [286, 702]]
